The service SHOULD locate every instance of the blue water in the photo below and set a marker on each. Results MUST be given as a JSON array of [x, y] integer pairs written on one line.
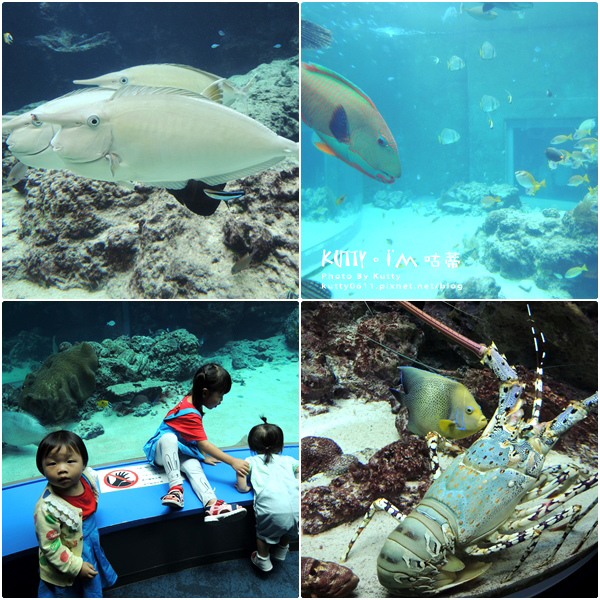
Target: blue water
[[245, 35], [246, 338], [397, 54]]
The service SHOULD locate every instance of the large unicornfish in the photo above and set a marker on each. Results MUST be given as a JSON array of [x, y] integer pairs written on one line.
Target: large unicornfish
[[29, 140], [436, 403], [212, 86], [348, 124], [163, 137]]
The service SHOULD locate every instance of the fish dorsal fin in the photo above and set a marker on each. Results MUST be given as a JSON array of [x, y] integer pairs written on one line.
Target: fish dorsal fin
[[214, 92], [329, 73], [193, 69], [144, 90]]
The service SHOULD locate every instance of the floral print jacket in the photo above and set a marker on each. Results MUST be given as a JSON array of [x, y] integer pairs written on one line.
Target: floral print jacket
[[59, 530]]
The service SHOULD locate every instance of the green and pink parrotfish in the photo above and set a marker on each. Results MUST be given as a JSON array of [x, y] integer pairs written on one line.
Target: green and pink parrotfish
[[347, 124]]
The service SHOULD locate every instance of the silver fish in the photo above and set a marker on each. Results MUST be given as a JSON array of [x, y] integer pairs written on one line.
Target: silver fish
[[183, 77], [163, 137], [21, 429], [243, 263]]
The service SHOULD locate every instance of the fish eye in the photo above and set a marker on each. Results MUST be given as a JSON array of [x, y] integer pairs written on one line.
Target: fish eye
[[124, 81], [382, 142], [469, 410], [93, 121]]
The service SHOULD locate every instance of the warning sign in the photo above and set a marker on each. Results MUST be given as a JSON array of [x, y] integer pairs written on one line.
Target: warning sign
[[129, 477]]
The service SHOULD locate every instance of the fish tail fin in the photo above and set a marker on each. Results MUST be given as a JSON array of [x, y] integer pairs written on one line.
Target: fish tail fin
[[584, 268], [586, 178], [542, 183]]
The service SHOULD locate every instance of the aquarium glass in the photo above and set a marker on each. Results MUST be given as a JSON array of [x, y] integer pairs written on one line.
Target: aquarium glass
[[140, 358], [471, 97]]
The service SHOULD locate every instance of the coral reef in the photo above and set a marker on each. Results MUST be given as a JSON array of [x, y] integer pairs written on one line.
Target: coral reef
[[322, 454], [464, 197], [384, 476], [538, 246], [60, 386], [321, 579]]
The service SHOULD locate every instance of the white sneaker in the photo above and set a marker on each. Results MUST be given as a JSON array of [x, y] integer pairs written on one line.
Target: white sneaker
[[264, 564]]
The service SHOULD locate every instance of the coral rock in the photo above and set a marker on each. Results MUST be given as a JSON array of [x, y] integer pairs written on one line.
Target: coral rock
[[317, 453], [61, 385], [321, 579]]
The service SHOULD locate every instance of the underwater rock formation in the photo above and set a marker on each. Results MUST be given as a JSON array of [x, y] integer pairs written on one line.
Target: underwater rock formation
[[322, 579], [539, 246], [384, 476], [317, 454], [60, 386], [463, 197], [474, 287]]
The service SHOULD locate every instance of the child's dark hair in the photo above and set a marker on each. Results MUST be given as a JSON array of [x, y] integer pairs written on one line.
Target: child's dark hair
[[214, 378], [60, 439], [266, 439]]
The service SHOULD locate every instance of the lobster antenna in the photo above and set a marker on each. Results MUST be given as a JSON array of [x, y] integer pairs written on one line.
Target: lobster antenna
[[399, 353], [539, 370]]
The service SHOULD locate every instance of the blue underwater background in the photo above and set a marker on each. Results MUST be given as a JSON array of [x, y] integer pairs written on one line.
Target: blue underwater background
[[146, 354], [543, 76], [79, 40]]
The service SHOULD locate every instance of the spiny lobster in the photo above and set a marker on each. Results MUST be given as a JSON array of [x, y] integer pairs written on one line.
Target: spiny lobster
[[481, 503]]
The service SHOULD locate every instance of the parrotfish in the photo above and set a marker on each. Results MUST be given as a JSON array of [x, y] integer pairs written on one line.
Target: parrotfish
[[348, 124], [437, 403]]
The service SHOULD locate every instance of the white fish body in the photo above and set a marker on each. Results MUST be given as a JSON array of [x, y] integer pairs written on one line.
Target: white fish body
[[163, 137], [21, 429], [170, 75], [30, 141]]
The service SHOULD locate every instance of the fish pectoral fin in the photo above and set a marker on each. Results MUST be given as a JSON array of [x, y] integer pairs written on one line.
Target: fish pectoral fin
[[448, 427], [339, 125], [113, 160], [323, 147], [214, 92]]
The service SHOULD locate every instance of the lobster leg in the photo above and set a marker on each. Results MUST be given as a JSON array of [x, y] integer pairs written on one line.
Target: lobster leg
[[379, 504]]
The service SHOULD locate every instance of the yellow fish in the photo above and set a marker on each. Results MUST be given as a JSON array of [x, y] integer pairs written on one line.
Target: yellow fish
[[588, 124], [489, 200], [577, 180], [527, 180], [455, 63], [8, 39], [340, 200], [103, 403], [509, 96], [561, 139], [575, 271], [436, 403]]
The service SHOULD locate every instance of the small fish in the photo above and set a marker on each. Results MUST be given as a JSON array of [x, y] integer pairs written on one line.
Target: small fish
[[277, 46], [478, 13], [8, 38], [390, 241], [549, 93], [103, 403], [221, 32], [552, 165], [435, 60], [561, 139], [491, 123], [527, 180], [558, 276], [455, 63], [577, 180], [215, 45], [313, 290], [244, 262], [553, 154], [489, 103], [111, 323], [487, 51], [489, 200], [448, 136], [435, 219], [436, 403], [588, 124], [575, 271], [340, 200], [17, 173], [581, 133], [510, 98]]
